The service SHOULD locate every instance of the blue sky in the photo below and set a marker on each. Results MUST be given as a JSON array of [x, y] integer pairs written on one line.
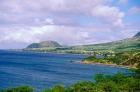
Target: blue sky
[[70, 22]]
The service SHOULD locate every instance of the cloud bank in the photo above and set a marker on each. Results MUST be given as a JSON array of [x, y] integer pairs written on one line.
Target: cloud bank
[[70, 22]]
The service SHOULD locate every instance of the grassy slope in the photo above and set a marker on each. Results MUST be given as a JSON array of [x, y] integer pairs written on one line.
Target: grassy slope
[[117, 46]]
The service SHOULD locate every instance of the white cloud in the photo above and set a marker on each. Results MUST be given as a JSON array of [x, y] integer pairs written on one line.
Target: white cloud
[[25, 12], [66, 35], [49, 21], [111, 14], [25, 34], [39, 20], [134, 10]]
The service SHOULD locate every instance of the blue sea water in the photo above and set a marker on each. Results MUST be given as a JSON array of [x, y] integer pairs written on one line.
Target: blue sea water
[[43, 70]]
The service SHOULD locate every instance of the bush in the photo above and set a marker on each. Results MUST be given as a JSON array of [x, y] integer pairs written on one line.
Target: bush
[[57, 88], [19, 89], [82, 87]]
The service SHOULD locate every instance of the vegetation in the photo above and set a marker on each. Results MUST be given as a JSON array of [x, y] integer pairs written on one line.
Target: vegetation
[[131, 58], [93, 59], [18, 89], [116, 46]]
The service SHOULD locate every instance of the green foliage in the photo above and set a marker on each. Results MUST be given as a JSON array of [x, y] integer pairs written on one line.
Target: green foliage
[[129, 44], [118, 78], [101, 78], [119, 58], [57, 88], [94, 59], [138, 71], [82, 87], [117, 83], [131, 58], [19, 89]]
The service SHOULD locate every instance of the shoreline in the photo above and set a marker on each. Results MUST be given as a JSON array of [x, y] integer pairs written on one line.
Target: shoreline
[[82, 62], [21, 50], [105, 64]]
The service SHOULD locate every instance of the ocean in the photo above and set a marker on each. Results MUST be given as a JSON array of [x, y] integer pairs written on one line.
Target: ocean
[[44, 70]]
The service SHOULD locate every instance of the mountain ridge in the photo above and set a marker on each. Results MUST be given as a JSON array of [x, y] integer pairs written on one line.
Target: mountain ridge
[[128, 44]]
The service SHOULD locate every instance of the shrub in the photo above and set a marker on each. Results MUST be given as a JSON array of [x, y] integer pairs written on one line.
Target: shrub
[[57, 88], [19, 89]]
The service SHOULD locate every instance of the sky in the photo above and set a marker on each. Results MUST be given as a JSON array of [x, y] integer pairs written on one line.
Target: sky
[[69, 22]]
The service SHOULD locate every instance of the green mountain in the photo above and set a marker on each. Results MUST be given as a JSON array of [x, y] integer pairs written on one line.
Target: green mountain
[[129, 44], [44, 44], [117, 46]]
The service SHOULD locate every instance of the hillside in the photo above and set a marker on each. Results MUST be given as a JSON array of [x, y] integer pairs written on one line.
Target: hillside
[[44, 44], [122, 45], [137, 35], [128, 44]]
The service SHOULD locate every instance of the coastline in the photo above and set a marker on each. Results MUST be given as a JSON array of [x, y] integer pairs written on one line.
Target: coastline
[[107, 64], [83, 62]]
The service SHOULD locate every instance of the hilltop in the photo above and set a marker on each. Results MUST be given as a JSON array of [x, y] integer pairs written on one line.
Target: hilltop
[[44, 44]]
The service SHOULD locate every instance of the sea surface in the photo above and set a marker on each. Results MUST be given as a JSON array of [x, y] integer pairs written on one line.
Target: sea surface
[[44, 70]]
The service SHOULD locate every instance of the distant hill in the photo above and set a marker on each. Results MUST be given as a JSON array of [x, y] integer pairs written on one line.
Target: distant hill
[[137, 35], [44, 44], [117, 46], [128, 44]]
